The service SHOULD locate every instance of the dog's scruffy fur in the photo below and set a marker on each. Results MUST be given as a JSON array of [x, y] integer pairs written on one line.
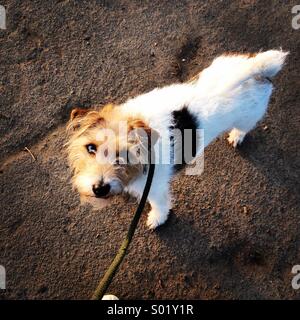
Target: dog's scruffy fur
[[231, 95]]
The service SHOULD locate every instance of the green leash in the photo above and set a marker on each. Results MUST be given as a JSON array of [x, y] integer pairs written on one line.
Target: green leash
[[111, 271]]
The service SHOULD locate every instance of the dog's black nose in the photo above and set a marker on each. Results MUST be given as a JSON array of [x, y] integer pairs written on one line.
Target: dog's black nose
[[101, 190]]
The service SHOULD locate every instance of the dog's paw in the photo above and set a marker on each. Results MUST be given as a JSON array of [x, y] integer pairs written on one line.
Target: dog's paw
[[235, 137], [155, 219]]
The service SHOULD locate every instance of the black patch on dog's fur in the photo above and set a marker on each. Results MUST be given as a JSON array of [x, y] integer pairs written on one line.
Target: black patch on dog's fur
[[184, 119]]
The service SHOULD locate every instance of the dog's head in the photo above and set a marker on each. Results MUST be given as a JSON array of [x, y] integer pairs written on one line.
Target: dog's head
[[107, 151]]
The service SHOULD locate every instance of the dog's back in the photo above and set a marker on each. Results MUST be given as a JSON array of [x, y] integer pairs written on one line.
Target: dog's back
[[234, 91]]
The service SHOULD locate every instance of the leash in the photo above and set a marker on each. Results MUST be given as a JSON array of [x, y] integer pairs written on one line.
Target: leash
[[111, 271]]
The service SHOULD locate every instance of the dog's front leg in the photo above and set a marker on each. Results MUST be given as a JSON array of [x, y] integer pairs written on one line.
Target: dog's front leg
[[160, 202]]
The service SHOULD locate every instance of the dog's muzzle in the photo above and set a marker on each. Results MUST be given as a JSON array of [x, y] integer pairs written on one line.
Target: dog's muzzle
[[101, 190]]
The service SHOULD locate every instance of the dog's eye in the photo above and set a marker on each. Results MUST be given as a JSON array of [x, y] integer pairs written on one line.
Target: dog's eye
[[91, 148]]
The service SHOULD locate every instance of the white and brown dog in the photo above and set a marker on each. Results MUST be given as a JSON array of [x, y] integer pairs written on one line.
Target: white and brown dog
[[231, 95]]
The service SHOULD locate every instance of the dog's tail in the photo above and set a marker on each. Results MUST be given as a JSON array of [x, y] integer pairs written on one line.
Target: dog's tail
[[229, 72], [261, 65], [267, 64]]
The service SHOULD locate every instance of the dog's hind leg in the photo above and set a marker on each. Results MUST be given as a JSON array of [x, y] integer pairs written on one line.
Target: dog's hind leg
[[252, 104], [236, 137], [239, 131]]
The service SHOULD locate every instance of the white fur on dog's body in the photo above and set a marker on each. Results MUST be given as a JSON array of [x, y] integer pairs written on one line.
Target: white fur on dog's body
[[230, 95]]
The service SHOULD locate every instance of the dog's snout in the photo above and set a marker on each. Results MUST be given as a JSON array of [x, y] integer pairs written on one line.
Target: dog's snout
[[101, 190]]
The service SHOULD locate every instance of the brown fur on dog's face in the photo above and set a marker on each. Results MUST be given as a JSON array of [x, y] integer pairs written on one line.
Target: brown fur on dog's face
[[102, 153]]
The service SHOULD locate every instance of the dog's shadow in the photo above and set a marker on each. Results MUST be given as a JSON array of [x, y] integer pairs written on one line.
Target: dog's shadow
[[266, 155], [233, 262], [207, 266]]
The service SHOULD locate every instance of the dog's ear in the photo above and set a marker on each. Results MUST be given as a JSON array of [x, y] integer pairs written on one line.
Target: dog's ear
[[78, 112], [75, 117], [142, 131]]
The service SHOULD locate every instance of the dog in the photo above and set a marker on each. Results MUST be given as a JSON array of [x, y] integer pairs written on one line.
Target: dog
[[231, 95]]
